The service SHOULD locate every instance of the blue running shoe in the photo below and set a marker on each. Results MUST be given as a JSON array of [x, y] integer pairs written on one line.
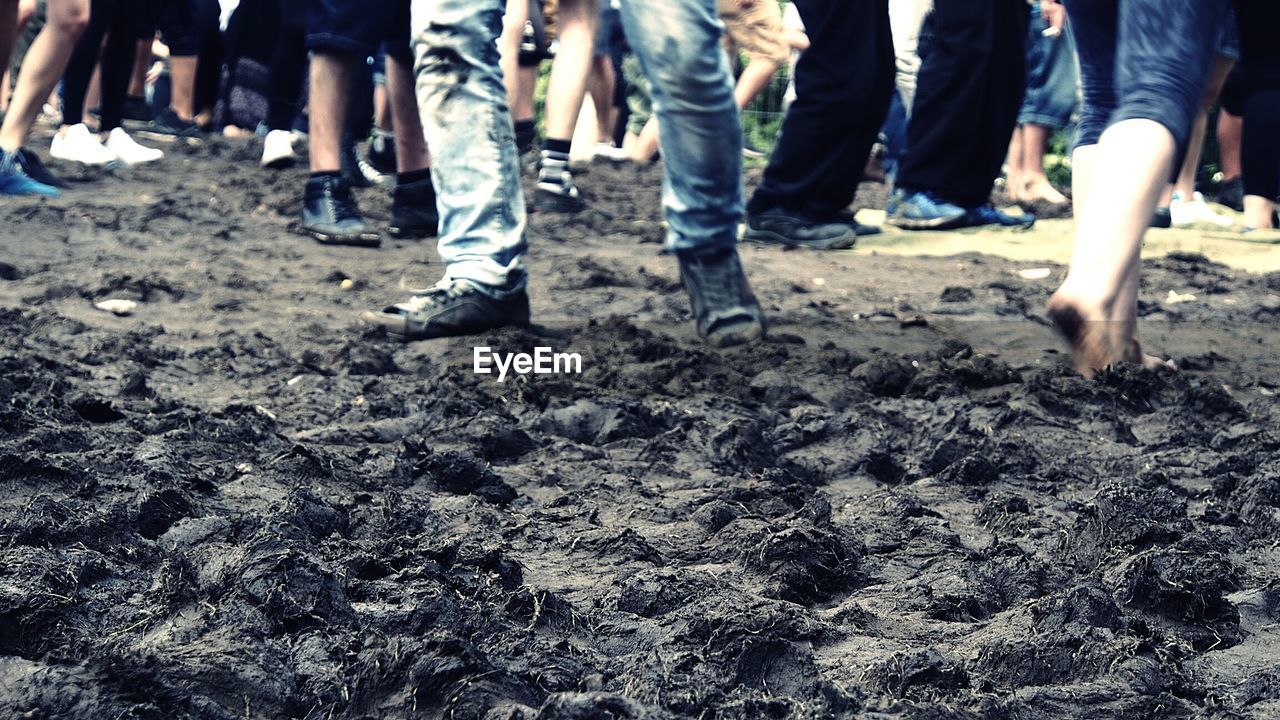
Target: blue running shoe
[[925, 211], [989, 215], [15, 181]]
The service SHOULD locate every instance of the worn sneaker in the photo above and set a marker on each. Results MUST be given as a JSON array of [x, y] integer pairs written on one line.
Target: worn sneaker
[[35, 169], [138, 110], [413, 210], [382, 152], [776, 227], [330, 215], [166, 124], [77, 144], [724, 310], [1231, 193], [128, 151], [453, 307], [1185, 212], [751, 151], [555, 191], [277, 150], [357, 172], [13, 181], [988, 214], [924, 211]]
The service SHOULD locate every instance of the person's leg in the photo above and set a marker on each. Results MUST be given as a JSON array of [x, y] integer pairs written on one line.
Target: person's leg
[[1048, 103], [44, 63], [414, 212], [830, 127], [756, 30], [288, 69], [82, 62], [677, 42], [1261, 153], [8, 37], [566, 87], [1155, 99], [117, 66], [602, 86], [327, 103]]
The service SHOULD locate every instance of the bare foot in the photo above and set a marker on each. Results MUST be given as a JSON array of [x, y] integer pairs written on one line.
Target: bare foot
[[1040, 190], [1085, 335], [1133, 354]]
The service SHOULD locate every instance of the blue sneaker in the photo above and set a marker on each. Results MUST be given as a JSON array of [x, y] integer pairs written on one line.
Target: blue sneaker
[[15, 181], [923, 210], [989, 215]]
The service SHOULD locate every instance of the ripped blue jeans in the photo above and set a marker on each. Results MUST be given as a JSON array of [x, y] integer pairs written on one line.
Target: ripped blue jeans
[[474, 162]]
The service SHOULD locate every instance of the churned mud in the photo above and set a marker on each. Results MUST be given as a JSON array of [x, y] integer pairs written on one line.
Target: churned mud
[[238, 503]]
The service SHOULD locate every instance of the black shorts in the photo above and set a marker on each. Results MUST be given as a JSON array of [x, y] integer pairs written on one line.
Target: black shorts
[[178, 22], [359, 27]]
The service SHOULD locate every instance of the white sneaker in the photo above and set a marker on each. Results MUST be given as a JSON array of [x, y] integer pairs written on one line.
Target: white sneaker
[[77, 144], [1185, 213], [130, 152], [277, 149], [606, 151]]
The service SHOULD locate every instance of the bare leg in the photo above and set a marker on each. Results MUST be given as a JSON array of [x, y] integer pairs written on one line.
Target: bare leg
[[182, 80], [1093, 308], [330, 79], [1258, 211], [513, 23], [1013, 164], [1035, 184], [1230, 128], [42, 68], [411, 146], [753, 80], [569, 70], [1186, 184], [645, 147], [602, 87], [141, 61]]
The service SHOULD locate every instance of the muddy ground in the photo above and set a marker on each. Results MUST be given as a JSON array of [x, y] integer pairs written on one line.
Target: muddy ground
[[238, 503]]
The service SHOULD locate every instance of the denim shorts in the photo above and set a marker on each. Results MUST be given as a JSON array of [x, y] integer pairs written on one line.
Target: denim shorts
[[1229, 36], [1143, 59], [359, 27], [1052, 81], [610, 40]]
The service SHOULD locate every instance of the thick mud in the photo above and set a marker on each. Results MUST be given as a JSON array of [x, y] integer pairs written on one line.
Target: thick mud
[[239, 503]]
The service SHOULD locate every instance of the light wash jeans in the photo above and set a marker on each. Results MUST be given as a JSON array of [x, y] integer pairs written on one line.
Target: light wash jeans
[[678, 43], [474, 162]]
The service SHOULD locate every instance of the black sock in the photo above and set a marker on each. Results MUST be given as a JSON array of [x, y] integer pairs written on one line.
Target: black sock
[[413, 176], [326, 174], [524, 134], [557, 146]]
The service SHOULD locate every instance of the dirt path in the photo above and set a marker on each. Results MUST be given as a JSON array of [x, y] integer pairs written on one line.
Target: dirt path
[[238, 503]]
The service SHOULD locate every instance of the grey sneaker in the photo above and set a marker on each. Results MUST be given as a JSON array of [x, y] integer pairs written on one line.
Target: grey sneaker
[[777, 227], [724, 310], [330, 215], [452, 307]]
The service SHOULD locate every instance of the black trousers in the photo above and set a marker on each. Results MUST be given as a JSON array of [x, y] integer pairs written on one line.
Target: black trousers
[[1260, 151], [843, 85], [117, 20], [972, 77]]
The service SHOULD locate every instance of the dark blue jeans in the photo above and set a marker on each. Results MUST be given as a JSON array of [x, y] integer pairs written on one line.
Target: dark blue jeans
[[1143, 60]]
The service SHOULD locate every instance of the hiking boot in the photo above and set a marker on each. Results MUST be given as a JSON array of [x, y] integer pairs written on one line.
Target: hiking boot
[[167, 124], [777, 227], [382, 152], [35, 169], [988, 215], [330, 215], [15, 181], [925, 211], [413, 210], [724, 310], [453, 307]]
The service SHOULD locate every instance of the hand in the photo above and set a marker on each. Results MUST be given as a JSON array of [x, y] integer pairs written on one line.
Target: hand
[[1053, 13]]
